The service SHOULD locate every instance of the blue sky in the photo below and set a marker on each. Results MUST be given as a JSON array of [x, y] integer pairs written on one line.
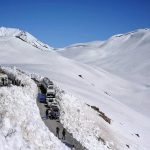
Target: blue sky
[[63, 22]]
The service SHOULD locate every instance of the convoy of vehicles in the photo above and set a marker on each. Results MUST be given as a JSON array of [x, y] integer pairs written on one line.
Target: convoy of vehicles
[[48, 96], [53, 111]]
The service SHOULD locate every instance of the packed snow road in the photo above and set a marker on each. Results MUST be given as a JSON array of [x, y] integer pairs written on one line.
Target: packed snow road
[[53, 124]]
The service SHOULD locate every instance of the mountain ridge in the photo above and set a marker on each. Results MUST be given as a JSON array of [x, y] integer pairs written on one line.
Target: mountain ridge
[[123, 54]]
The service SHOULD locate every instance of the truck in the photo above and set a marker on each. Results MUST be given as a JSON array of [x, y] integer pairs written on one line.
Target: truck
[[46, 83], [50, 99], [50, 95], [50, 91], [53, 112]]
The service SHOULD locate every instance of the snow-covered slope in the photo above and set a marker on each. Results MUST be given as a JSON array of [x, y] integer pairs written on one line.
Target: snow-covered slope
[[124, 102], [126, 55]]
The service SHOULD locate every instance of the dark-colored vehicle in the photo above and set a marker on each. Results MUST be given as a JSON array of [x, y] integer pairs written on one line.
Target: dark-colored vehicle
[[54, 112], [50, 98], [46, 83], [49, 95], [42, 98]]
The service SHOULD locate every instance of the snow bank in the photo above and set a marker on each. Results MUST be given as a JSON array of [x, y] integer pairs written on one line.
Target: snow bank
[[83, 122], [21, 126], [90, 129]]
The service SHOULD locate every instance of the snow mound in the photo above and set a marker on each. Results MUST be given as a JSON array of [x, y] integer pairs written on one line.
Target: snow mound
[[90, 129], [21, 126]]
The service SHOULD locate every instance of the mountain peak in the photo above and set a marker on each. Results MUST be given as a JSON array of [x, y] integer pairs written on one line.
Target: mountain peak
[[24, 36], [138, 31], [8, 32]]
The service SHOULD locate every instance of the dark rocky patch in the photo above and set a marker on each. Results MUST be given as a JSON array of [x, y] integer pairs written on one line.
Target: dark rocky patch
[[80, 76], [137, 135], [101, 114]]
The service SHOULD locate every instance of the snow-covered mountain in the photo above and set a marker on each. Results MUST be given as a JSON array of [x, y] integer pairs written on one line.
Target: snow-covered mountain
[[126, 55], [125, 102]]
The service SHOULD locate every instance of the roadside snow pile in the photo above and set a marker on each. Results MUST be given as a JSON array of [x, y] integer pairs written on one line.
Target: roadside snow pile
[[88, 127], [21, 126], [85, 124]]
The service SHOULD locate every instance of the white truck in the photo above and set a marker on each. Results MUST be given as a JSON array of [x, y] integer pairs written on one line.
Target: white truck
[[50, 94], [50, 91]]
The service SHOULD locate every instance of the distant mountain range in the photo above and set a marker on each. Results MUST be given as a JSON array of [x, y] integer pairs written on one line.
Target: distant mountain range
[[126, 55]]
